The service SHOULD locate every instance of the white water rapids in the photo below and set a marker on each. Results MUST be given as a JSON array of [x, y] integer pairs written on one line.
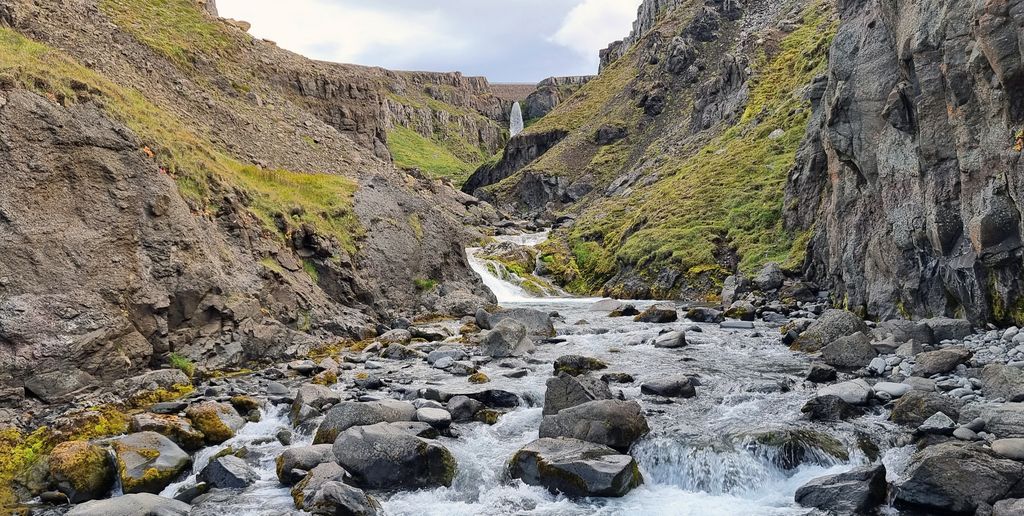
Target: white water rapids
[[699, 458]]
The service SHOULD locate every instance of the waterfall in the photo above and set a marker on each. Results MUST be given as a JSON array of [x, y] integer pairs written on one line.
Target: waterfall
[[516, 123]]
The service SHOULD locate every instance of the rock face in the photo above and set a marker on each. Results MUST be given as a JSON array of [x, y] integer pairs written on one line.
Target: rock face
[[909, 170], [147, 462], [957, 478], [383, 457], [575, 468], [550, 93], [613, 423], [855, 492], [1002, 381]]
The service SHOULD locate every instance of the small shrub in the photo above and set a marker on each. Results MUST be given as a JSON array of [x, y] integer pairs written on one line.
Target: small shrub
[[425, 285], [182, 363]]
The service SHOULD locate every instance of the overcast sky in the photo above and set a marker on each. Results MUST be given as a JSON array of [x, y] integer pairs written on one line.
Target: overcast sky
[[504, 40]]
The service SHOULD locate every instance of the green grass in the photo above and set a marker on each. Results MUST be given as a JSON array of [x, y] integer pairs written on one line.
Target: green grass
[[181, 363], [412, 150], [425, 284], [724, 196], [200, 169], [175, 28], [310, 269]]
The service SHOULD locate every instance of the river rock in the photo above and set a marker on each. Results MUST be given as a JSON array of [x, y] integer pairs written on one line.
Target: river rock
[[293, 464], [175, 428], [463, 408], [313, 396], [396, 336], [147, 461], [705, 315], [564, 391], [382, 457], [1009, 448], [614, 423], [791, 448], [1008, 507], [143, 504], [658, 314], [771, 277], [831, 326], [217, 421], [945, 328], [909, 349], [858, 491], [507, 339], [606, 305], [894, 390], [678, 386], [453, 354], [742, 310], [81, 470], [939, 424], [538, 324], [733, 287], [914, 407], [334, 498], [228, 472], [736, 325], [1003, 381], [939, 361], [575, 365], [854, 392], [849, 352], [829, 408], [348, 414], [956, 477], [575, 468], [313, 481], [821, 373], [670, 340], [435, 417], [1003, 420]]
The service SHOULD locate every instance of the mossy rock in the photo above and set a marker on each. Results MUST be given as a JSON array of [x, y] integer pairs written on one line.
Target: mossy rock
[[246, 404], [147, 462], [81, 470], [217, 421], [175, 428], [575, 365], [325, 378], [789, 448], [479, 378], [488, 416]]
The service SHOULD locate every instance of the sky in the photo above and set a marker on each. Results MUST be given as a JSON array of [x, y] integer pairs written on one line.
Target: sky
[[503, 40]]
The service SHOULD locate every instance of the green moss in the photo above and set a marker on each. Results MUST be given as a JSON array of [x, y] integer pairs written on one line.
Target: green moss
[[417, 226], [425, 284], [175, 28], [205, 418], [1018, 140], [479, 378], [310, 269], [326, 378], [181, 363], [411, 150]]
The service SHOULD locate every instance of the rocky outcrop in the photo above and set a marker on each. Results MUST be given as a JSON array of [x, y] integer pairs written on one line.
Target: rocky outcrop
[[910, 173], [550, 93], [520, 151]]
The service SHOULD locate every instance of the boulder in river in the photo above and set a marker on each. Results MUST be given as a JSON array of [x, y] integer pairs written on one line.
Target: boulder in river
[[854, 392], [507, 339], [606, 305], [849, 352], [147, 461], [217, 421], [742, 310], [956, 477], [575, 468], [614, 423], [831, 326], [1003, 381], [175, 428], [575, 365], [228, 472], [564, 391], [858, 491], [82, 470], [334, 498], [940, 361], [383, 457], [660, 314], [705, 315], [435, 417], [294, 463], [538, 323], [670, 340], [792, 447], [142, 504], [830, 408], [821, 373], [678, 386], [915, 407], [348, 414]]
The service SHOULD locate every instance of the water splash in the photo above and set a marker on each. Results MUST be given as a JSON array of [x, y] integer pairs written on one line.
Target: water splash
[[516, 124]]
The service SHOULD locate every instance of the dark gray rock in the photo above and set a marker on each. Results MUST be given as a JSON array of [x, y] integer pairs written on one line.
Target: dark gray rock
[[821, 373], [1008, 507], [945, 328], [771, 277], [858, 491], [348, 414], [831, 326], [849, 352], [228, 472], [658, 314], [575, 468], [1002, 381], [705, 315], [293, 463], [382, 457], [614, 423], [940, 361], [733, 287], [915, 407], [956, 477], [142, 504], [337, 498], [564, 391], [575, 365], [679, 386], [508, 338], [830, 408], [670, 340], [903, 331], [538, 323], [463, 408]]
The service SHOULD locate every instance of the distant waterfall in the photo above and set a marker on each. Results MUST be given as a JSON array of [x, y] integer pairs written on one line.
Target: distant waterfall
[[516, 124]]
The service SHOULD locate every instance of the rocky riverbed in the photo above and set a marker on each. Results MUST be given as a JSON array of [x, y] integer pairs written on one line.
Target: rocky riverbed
[[585, 406]]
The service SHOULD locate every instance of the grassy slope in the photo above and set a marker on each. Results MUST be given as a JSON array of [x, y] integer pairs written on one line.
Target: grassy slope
[[726, 193]]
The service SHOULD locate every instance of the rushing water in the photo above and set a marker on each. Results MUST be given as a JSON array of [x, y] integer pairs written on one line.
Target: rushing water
[[699, 459], [516, 125]]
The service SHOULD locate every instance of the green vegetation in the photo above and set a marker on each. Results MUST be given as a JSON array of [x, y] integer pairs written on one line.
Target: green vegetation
[[181, 363], [593, 102], [425, 284], [412, 150], [200, 169], [175, 28], [1018, 144], [310, 269], [723, 198]]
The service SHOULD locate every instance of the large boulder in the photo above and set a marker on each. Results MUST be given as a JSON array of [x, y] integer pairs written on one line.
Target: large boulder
[[228, 472], [175, 428], [670, 340], [849, 352], [147, 462], [348, 414], [381, 456], [81, 470], [564, 391], [831, 326], [1003, 381], [1008, 507], [915, 407], [854, 392], [614, 423], [538, 323], [324, 492], [143, 504], [677, 386], [957, 478], [575, 365], [294, 463], [705, 315], [659, 314], [945, 328], [771, 277], [940, 361], [858, 491], [733, 287], [217, 421], [508, 338], [789, 448], [904, 331], [830, 408], [575, 468], [1003, 420]]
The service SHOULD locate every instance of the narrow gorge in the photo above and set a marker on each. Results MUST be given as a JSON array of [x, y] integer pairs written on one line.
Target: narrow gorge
[[767, 260]]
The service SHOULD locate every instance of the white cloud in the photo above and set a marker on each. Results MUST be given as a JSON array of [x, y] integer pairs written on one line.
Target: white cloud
[[333, 31], [593, 24]]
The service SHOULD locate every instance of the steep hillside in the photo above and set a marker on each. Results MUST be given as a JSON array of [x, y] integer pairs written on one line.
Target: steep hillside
[[673, 160], [174, 185]]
